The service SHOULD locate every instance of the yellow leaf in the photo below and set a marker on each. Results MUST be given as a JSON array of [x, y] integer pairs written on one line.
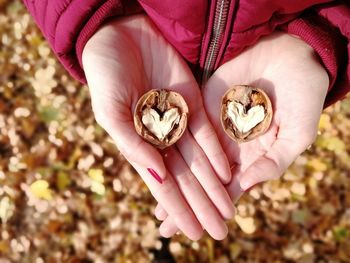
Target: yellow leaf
[[298, 188], [4, 247], [6, 209], [333, 144], [317, 165], [210, 252], [40, 189], [247, 224], [97, 188], [97, 179], [96, 175], [325, 122], [63, 180], [235, 250]]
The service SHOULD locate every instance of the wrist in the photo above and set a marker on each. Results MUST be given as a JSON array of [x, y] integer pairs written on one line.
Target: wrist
[[326, 40], [113, 30]]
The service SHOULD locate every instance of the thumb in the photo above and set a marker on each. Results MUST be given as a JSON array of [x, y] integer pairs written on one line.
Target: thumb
[[273, 163]]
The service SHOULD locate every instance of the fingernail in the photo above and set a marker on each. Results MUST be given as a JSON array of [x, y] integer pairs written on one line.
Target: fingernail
[[155, 175]]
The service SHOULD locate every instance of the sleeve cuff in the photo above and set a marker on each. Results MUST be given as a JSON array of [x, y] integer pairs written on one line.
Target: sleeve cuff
[[326, 40], [111, 8]]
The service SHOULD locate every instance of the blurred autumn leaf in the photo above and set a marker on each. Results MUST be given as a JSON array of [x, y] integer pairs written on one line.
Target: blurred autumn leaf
[[63, 180], [6, 209], [341, 234], [97, 180], [40, 189], [331, 144], [48, 114]]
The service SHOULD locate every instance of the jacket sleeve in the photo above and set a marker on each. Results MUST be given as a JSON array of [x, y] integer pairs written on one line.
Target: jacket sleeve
[[326, 28], [68, 25]]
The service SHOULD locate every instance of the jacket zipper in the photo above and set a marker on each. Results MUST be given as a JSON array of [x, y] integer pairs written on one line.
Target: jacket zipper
[[221, 12]]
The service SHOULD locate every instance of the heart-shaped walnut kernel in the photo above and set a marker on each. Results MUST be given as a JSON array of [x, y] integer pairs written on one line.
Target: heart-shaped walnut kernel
[[245, 121], [160, 127], [246, 113], [160, 117]]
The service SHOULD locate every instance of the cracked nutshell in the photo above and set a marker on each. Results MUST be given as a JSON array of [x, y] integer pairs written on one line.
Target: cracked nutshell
[[246, 113], [160, 117]]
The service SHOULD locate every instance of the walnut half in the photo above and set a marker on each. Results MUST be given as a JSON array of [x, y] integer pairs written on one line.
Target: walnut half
[[160, 117], [246, 113]]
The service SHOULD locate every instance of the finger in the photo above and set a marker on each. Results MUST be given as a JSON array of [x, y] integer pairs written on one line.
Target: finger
[[169, 196], [160, 213], [234, 189], [168, 228], [202, 207], [137, 151], [198, 162], [243, 155], [205, 135], [272, 164], [212, 102]]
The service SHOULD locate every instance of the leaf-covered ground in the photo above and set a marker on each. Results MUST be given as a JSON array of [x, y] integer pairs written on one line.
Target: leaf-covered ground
[[67, 195]]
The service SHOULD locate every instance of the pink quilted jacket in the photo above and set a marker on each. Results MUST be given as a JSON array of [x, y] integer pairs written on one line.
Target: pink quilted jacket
[[206, 33]]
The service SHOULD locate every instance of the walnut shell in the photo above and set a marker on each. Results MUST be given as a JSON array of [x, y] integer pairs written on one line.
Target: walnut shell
[[160, 117], [246, 113]]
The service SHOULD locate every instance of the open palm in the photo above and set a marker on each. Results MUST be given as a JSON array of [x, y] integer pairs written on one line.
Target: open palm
[[122, 61], [289, 72]]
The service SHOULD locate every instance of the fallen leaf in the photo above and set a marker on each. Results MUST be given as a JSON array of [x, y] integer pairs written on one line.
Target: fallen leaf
[[341, 233], [6, 209], [97, 180], [49, 113], [246, 224], [317, 165], [4, 247], [96, 175], [235, 250], [301, 216], [63, 180], [40, 189], [325, 122], [333, 144]]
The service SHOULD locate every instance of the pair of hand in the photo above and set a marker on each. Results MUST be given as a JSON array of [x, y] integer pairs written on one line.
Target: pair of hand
[[205, 170]]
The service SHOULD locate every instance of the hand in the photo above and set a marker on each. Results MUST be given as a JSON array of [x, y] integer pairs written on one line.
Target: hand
[[290, 73], [122, 61]]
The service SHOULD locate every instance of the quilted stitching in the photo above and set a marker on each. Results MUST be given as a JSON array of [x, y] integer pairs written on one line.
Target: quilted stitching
[[59, 17]]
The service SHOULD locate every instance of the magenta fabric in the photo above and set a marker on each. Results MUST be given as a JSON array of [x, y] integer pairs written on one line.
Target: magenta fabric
[[187, 25]]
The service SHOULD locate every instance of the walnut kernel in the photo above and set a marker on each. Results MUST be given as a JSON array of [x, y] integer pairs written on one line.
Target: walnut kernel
[[246, 113], [160, 117]]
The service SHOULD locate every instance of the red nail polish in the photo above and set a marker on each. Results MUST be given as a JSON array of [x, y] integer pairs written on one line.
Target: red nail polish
[[155, 175]]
